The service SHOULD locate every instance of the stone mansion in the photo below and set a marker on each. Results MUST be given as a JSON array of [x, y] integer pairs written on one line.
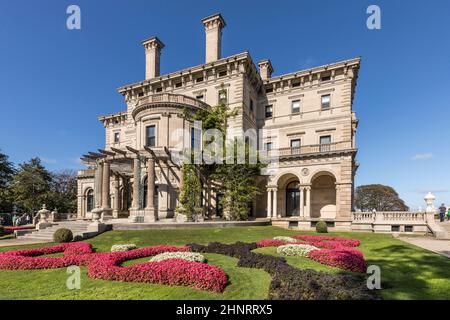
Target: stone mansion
[[304, 118]]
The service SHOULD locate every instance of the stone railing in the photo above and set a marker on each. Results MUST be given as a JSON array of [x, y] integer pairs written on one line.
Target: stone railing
[[390, 221], [168, 99], [308, 149]]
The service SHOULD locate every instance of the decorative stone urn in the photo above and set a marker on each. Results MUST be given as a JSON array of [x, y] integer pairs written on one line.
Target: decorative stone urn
[[43, 214], [96, 213], [43, 218]]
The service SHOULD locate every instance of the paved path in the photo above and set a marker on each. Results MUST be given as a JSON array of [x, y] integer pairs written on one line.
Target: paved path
[[441, 247], [19, 242]]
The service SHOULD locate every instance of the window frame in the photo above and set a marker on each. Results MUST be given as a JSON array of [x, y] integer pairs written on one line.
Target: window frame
[[271, 111], [299, 140], [116, 137], [299, 106], [324, 106], [147, 136]]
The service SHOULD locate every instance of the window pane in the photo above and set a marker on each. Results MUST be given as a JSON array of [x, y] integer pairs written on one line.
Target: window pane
[[151, 138], [195, 138], [325, 140], [295, 144], [296, 106], [269, 112], [269, 146], [326, 101]]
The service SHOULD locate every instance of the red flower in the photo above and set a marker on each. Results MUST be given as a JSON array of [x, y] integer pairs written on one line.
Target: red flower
[[270, 243]]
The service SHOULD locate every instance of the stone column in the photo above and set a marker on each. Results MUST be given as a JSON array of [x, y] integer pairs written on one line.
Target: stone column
[[105, 185], [98, 181], [269, 202], [302, 201], [107, 211], [338, 201], [308, 203], [150, 183], [136, 182], [275, 203], [116, 208], [150, 212]]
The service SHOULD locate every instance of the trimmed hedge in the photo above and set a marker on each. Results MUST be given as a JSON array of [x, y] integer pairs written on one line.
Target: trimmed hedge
[[290, 283], [63, 235], [321, 227]]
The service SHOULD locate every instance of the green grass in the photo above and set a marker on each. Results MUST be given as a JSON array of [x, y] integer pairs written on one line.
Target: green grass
[[407, 271]]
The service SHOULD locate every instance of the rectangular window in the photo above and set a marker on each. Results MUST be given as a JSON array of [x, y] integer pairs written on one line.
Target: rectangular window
[[325, 142], [268, 146], [200, 79], [326, 78], [296, 144], [159, 89], [296, 106], [223, 97], [196, 138], [116, 137], [269, 90], [223, 73], [178, 84], [150, 135], [251, 105], [269, 111], [326, 99], [296, 84], [200, 97]]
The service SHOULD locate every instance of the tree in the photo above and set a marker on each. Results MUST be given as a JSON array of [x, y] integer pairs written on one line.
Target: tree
[[64, 190], [378, 197], [6, 176], [31, 185]]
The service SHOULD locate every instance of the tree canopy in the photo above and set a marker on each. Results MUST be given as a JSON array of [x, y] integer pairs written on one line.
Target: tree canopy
[[378, 197]]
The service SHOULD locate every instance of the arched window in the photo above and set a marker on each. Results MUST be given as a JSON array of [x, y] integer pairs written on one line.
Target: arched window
[[90, 200]]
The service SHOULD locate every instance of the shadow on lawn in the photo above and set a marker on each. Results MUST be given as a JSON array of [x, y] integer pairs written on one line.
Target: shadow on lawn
[[408, 271]]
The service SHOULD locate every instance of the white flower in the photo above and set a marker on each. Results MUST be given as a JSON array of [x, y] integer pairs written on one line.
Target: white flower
[[285, 239], [123, 247], [188, 256], [300, 250]]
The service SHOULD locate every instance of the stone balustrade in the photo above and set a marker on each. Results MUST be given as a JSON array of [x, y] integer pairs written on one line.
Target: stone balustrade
[[390, 221]]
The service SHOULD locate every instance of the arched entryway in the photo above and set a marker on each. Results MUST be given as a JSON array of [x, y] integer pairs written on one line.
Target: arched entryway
[[90, 204], [323, 196]]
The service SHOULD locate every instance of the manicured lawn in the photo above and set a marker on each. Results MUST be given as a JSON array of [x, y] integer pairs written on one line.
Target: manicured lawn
[[407, 272]]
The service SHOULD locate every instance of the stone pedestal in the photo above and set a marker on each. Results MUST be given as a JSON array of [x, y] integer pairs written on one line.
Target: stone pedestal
[[150, 215], [181, 218]]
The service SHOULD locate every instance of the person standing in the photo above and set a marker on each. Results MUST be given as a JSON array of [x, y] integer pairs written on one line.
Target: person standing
[[442, 211], [448, 214]]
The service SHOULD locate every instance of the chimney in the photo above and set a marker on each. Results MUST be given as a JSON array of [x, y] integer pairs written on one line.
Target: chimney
[[265, 69], [153, 48], [213, 31]]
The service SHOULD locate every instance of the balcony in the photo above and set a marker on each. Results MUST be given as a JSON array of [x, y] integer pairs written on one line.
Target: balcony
[[168, 100], [310, 149]]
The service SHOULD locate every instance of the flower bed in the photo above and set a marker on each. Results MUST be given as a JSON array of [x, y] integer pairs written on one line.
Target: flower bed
[[123, 247], [290, 283], [286, 239], [78, 253], [328, 242], [106, 266], [188, 256], [300, 250], [270, 243], [332, 251], [344, 258]]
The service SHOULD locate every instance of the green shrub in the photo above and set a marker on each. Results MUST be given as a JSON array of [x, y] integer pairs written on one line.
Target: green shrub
[[63, 235], [321, 227]]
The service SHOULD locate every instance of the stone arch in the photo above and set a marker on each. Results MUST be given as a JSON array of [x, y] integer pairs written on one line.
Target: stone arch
[[323, 195], [288, 197], [278, 179]]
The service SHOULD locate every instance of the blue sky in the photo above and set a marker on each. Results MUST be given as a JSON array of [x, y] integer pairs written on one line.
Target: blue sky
[[54, 82]]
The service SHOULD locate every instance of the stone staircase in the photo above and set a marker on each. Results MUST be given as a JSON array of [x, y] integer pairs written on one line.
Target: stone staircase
[[78, 228]]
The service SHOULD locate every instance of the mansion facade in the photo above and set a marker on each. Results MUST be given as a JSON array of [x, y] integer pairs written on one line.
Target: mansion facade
[[304, 119]]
